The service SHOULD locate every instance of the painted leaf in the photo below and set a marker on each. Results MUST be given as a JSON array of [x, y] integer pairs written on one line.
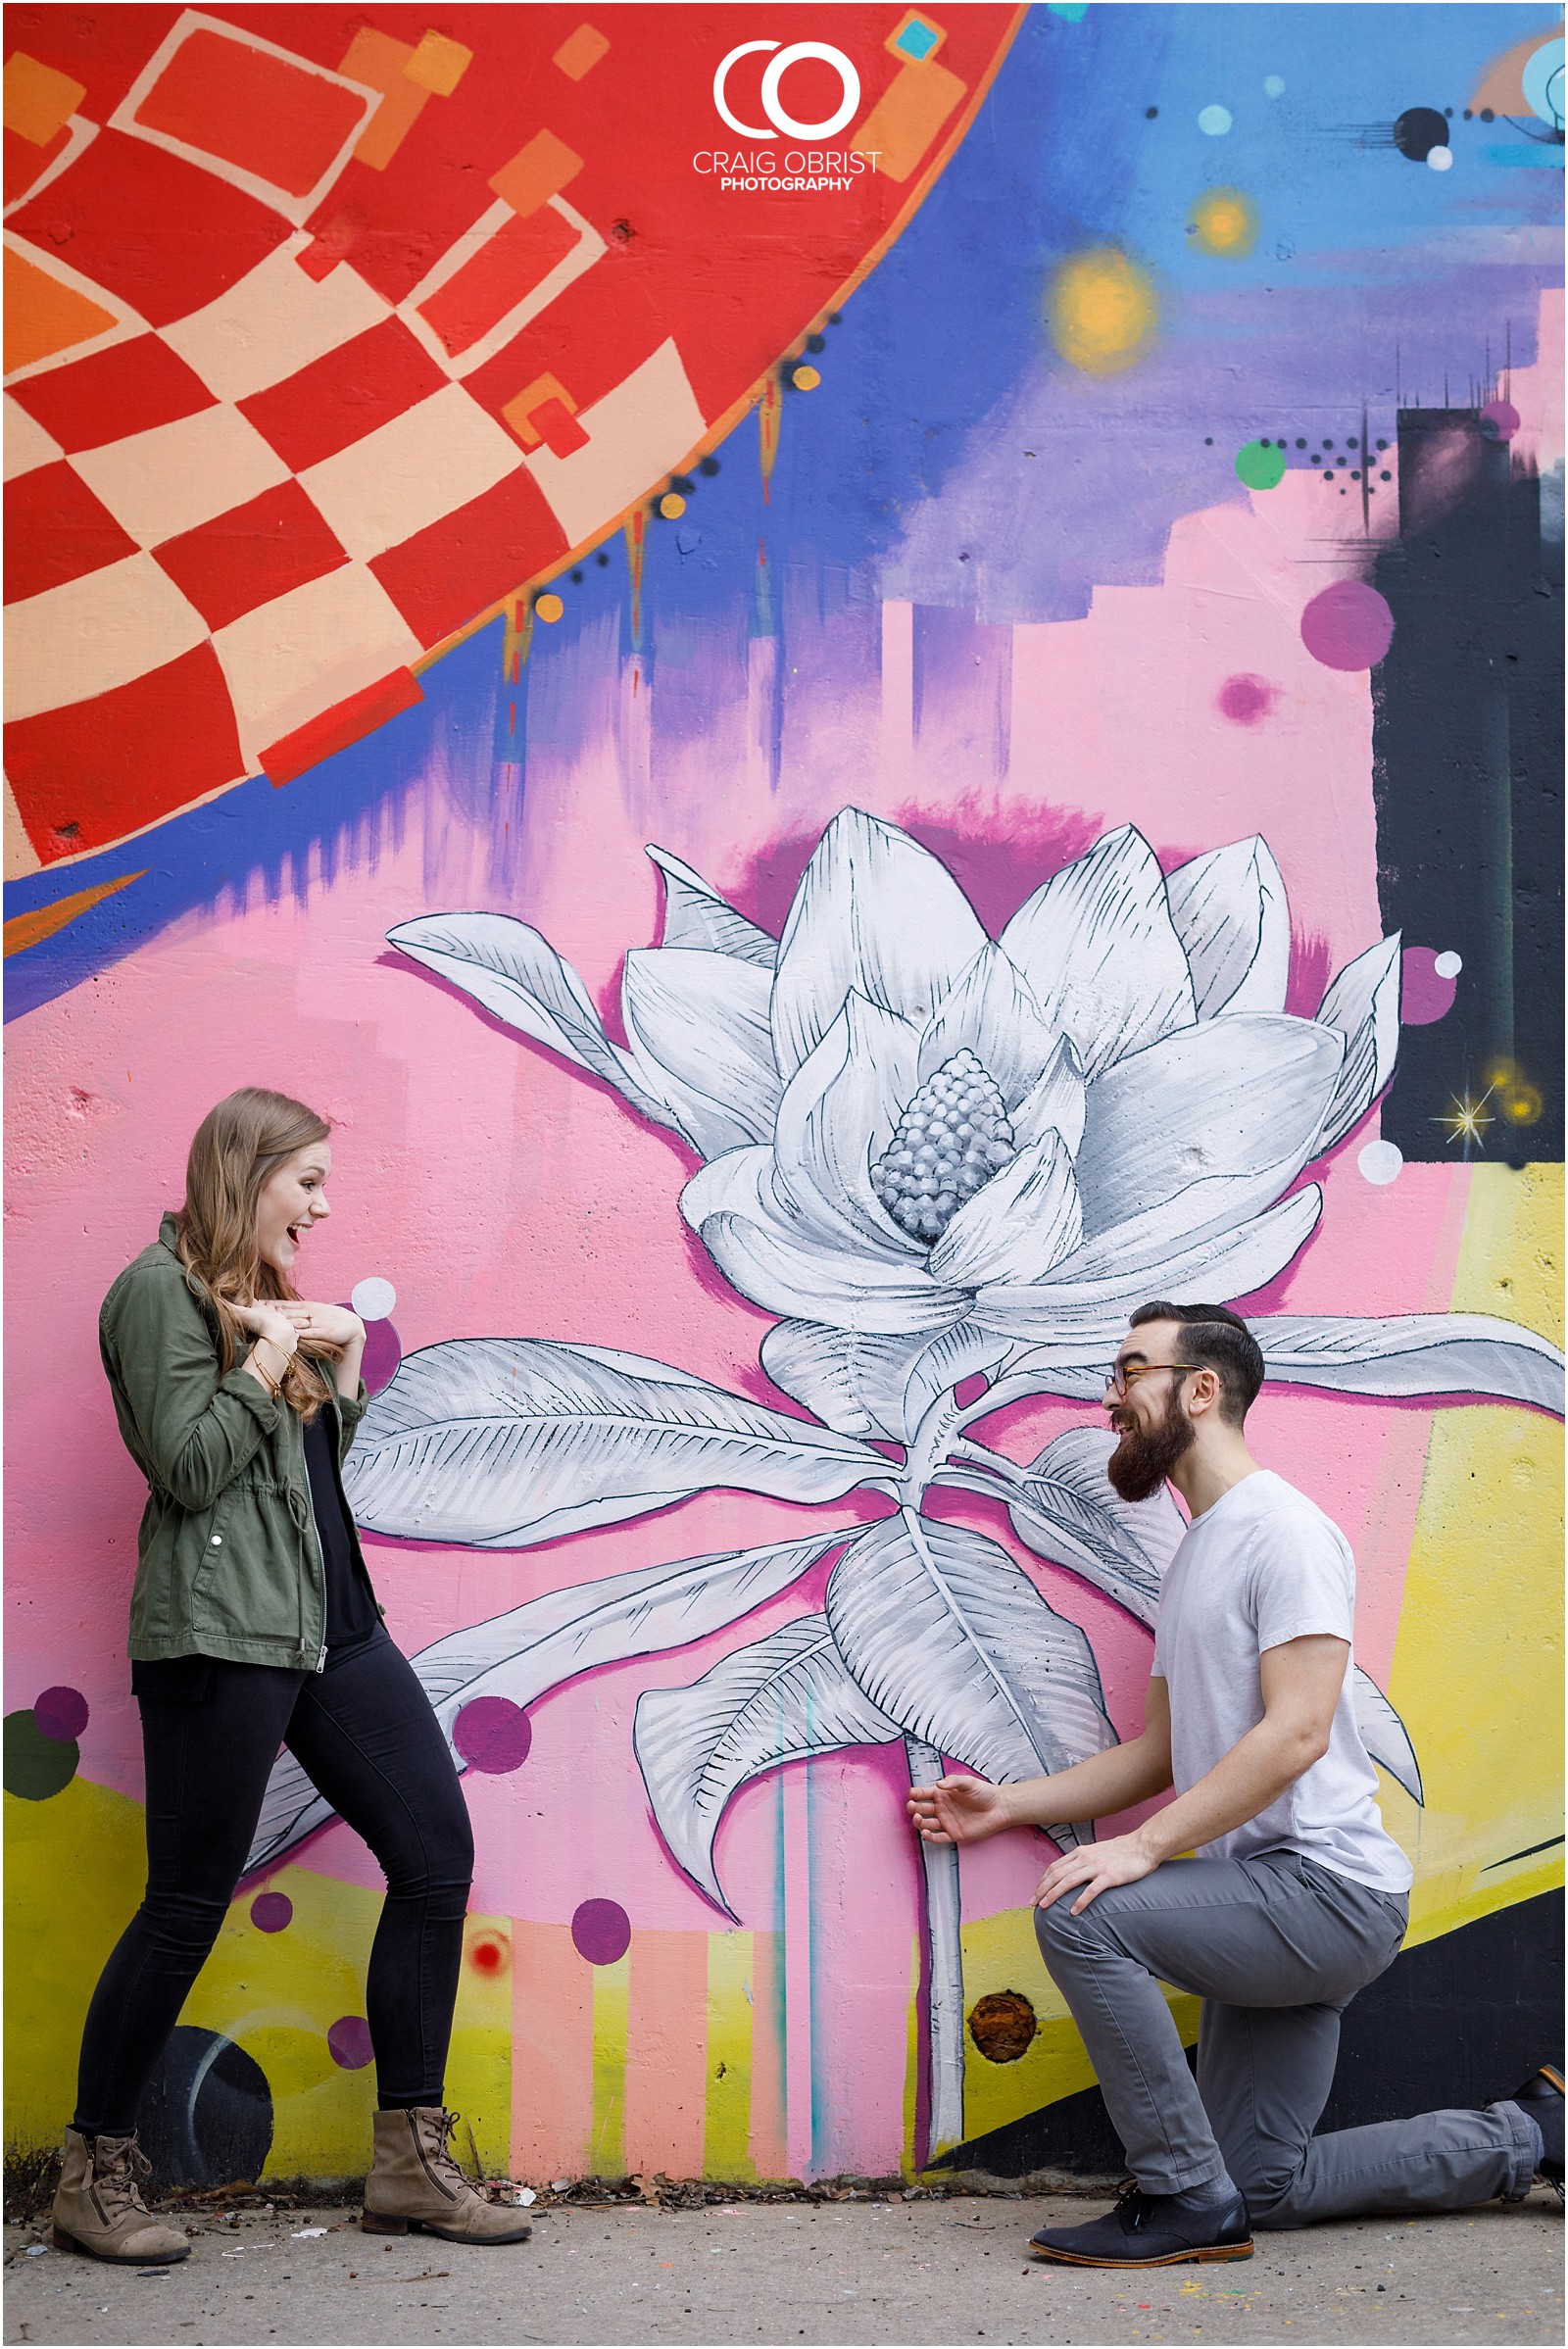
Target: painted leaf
[[1413, 1355], [501, 1443], [950, 1640], [696, 916], [1384, 1736], [530, 1649], [784, 1698], [519, 979], [1363, 1004], [1069, 1511]]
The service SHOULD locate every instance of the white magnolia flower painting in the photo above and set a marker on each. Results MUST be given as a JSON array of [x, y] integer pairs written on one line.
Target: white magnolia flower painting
[[946, 1162]]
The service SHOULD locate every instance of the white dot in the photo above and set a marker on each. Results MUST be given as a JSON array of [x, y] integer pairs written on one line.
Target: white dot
[[1379, 1161], [1273, 86], [1439, 158], [1215, 121], [1449, 965], [374, 1299]]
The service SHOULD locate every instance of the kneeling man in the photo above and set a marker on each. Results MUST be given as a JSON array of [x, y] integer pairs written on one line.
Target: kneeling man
[[1297, 1899]]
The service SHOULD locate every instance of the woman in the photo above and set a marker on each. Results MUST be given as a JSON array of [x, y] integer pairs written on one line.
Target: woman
[[253, 1623]]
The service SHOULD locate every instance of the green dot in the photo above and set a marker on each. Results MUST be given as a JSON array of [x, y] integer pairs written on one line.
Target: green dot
[[1258, 466], [36, 1766]]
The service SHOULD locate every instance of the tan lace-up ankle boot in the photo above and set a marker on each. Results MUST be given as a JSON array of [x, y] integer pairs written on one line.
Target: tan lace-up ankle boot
[[99, 2207], [416, 2182]]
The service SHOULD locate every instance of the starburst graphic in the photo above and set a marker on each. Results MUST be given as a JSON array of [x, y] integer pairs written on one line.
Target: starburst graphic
[[1466, 1119]]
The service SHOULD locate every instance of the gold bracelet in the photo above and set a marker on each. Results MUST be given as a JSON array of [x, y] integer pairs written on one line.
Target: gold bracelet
[[275, 1384]]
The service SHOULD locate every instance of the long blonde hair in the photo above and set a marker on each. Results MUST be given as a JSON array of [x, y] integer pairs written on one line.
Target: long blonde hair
[[237, 1148]]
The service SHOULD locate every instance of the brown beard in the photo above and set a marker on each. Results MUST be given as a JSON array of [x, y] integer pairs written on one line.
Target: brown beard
[[1142, 1460]]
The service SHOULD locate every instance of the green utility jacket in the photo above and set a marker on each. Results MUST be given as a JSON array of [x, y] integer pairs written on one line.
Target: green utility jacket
[[229, 1563]]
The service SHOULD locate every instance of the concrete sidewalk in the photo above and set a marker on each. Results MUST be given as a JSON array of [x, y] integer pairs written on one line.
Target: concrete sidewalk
[[796, 2275]]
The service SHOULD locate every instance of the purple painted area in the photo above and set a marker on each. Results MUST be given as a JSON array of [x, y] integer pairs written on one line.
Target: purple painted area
[[270, 1912], [1424, 993], [1245, 699], [61, 1714], [349, 2042], [1500, 419], [383, 1351], [493, 1734], [1349, 625], [600, 1931]]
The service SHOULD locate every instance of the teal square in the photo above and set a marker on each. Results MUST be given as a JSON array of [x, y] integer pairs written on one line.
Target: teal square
[[918, 40]]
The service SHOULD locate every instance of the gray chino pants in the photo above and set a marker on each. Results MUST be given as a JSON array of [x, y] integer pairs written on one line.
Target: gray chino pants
[[1276, 1947]]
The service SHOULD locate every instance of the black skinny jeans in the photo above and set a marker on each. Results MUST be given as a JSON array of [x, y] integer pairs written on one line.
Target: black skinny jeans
[[364, 1731]]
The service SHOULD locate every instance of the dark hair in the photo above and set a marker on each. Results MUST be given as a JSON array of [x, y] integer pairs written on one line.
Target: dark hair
[[1216, 1340]]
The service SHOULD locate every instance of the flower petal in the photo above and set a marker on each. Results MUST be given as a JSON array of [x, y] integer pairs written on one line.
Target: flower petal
[[698, 1024], [866, 1385], [1056, 1100], [518, 978], [1021, 1223], [1363, 1004], [1101, 953], [1224, 1264], [1218, 1099], [1233, 919], [1413, 1355], [838, 1115], [992, 1011], [765, 1247], [875, 914], [696, 916]]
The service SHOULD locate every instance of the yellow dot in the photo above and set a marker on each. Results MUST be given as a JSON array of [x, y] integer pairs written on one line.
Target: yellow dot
[[1103, 311], [548, 608], [1224, 221], [1523, 1104], [672, 506], [805, 378]]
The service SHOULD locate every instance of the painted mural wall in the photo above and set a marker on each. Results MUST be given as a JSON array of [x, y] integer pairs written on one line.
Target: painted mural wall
[[854, 686]]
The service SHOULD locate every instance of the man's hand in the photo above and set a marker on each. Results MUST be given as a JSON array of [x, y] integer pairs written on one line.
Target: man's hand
[[958, 1810], [1096, 1867]]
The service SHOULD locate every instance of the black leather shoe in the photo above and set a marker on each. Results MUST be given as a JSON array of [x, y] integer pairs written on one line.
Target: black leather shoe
[[1541, 2097], [1150, 2230]]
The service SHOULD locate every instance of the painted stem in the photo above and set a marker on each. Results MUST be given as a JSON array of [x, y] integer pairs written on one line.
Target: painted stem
[[942, 1917]]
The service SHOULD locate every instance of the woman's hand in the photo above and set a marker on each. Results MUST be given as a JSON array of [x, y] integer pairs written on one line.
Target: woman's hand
[[957, 1810], [1095, 1868], [331, 1324], [269, 1320]]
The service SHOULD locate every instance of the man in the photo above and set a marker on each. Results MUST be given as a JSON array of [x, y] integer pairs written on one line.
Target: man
[[1297, 1897]]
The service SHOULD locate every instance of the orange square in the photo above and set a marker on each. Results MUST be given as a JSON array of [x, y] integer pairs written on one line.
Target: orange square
[[579, 54], [380, 63], [518, 410], [38, 100], [439, 63], [537, 172]]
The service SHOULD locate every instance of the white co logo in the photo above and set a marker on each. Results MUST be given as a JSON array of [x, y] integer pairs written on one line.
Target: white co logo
[[774, 75]]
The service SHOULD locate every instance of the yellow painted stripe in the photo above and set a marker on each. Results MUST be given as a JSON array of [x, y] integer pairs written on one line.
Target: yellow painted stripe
[[31, 929], [606, 2150], [1477, 1667], [727, 2128]]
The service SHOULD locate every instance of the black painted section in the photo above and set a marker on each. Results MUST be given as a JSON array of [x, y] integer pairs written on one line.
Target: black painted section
[[1467, 749], [1458, 2021], [206, 2117]]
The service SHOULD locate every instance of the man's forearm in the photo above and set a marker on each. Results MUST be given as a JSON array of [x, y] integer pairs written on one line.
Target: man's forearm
[[1243, 1781], [1113, 1781]]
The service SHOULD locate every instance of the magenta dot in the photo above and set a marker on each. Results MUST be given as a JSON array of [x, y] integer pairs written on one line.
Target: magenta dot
[[1425, 995], [1500, 419], [493, 1734], [600, 1931], [349, 2042], [272, 1911], [61, 1714], [1347, 626], [1245, 699]]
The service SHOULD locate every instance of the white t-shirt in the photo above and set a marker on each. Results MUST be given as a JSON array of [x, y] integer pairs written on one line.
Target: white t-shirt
[[1260, 1566]]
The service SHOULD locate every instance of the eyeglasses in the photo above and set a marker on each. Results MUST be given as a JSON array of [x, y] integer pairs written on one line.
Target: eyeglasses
[[1118, 1378]]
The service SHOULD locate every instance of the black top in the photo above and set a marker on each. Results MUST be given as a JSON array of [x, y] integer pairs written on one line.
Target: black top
[[350, 1614]]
